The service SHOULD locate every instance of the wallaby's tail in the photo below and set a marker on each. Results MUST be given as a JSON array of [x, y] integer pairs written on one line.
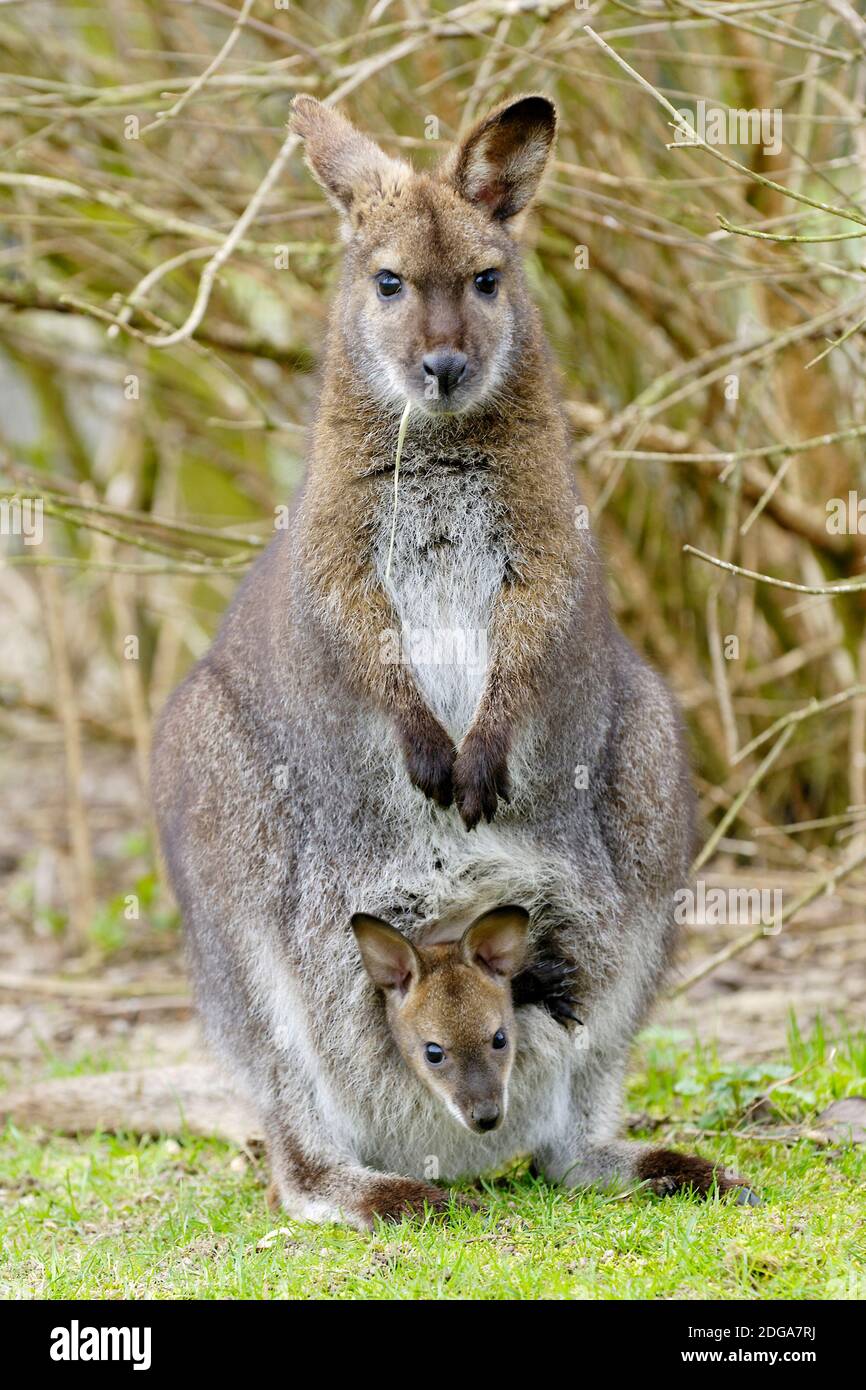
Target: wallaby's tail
[[192, 1099]]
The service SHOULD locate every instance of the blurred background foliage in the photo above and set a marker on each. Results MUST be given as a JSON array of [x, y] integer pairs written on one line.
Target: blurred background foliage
[[134, 135]]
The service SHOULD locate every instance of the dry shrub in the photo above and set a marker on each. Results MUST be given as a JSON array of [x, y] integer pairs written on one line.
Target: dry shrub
[[136, 135]]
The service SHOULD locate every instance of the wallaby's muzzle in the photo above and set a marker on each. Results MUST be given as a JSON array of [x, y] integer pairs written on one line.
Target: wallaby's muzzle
[[447, 368], [481, 1094], [486, 1115]]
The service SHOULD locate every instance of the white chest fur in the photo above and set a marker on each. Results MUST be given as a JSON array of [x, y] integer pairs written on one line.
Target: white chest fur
[[447, 567]]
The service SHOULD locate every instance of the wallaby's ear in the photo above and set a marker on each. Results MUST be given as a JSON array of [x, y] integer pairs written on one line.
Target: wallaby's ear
[[389, 958], [497, 941], [351, 168], [499, 164]]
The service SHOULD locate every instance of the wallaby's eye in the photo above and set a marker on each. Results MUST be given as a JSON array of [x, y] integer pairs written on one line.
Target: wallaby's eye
[[487, 282], [388, 284], [499, 1039], [434, 1054]]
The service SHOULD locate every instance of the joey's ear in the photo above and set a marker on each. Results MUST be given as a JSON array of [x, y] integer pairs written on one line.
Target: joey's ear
[[497, 941], [499, 164], [351, 168], [389, 958]]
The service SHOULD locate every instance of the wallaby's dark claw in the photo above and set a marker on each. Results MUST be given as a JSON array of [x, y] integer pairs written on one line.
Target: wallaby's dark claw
[[481, 776], [548, 982], [747, 1198], [429, 755], [560, 1010]]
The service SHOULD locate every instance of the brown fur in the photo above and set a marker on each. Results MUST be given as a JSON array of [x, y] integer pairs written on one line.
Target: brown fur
[[392, 1200]]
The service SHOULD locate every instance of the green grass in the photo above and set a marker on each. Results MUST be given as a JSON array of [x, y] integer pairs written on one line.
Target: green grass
[[115, 1217]]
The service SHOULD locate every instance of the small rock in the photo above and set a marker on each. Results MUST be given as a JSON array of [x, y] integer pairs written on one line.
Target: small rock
[[844, 1121], [269, 1240], [12, 1020]]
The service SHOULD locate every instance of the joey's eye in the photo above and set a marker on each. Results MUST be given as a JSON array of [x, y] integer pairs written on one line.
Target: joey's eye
[[487, 282], [434, 1054], [499, 1039], [388, 284]]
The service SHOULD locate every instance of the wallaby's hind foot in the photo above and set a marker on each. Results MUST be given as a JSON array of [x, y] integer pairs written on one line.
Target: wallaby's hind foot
[[622, 1163], [310, 1185], [376, 1196], [667, 1172], [392, 1199]]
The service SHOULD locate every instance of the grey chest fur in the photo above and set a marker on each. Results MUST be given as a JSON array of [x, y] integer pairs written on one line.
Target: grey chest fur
[[448, 564]]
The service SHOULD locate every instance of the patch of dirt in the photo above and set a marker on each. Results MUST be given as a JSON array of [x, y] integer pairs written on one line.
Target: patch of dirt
[[815, 967]]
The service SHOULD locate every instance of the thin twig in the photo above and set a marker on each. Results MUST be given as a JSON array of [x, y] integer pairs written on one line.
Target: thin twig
[[195, 87], [824, 884], [845, 586], [742, 796]]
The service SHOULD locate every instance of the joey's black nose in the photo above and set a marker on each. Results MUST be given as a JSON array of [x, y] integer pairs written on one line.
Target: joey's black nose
[[446, 368], [485, 1115]]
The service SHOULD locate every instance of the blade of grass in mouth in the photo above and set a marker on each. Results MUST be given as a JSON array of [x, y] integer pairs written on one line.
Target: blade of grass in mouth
[[401, 435]]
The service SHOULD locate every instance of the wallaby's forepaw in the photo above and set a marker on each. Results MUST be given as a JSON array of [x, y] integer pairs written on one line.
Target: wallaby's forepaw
[[429, 755], [392, 1199], [667, 1172], [481, 775], [548, 982]]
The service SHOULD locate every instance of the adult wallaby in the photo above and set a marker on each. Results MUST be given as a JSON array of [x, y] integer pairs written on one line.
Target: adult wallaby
[[423, 725]]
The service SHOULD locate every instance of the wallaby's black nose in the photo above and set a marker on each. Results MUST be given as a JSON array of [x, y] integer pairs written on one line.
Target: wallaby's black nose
[[446, 368], [485, 1114]]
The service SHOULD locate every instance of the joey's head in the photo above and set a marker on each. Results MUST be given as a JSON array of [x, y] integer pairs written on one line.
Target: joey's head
[[433, 306], [449, 1008]]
